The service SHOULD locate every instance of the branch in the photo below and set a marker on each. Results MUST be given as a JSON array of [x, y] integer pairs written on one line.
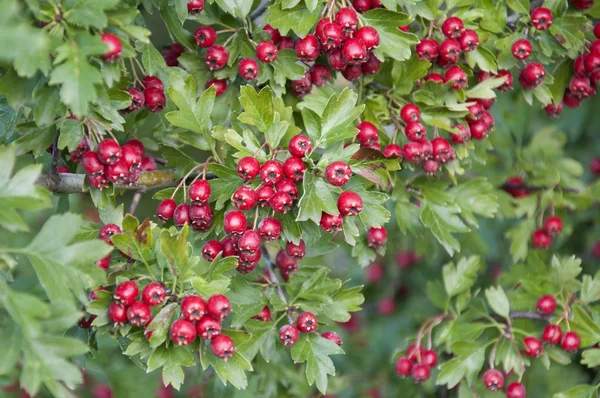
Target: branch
[[135, 201], [74, 183], [530, 188], [274, 279], [260, 10], [528, 315], [55, 155]]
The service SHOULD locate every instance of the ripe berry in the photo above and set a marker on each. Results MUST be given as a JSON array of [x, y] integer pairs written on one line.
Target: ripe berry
[[109, 152], [148, 164], [153, 81], [264, 315], [516, 390], [285, 262], [449, 51], [392, 150], [207, 327], [349, 203], [410, 113], [114, 47], [338, 173], [552, 334], [296, 251], [469, 40], [570, 342], [546, 305], [138, 314], [386, 306], [216, 57], [306, 322], [415, 131], [307, 48], [508, 83], [299, 146], [281, 202], [181, 215], [427, 49], [333, 336], [597, 30], [302, 86], [269, 228], [153, 294], [234, 222], [92, 165], [244, 198], [222, 346], [534, 73], [580, 86], [183, 332], [211, 250], [248, 69], [249, 242], [458, 76], [348, 20], [107, 231], [352, 72], [248, 168], [218, 306], [376, 237], [104, 262], [442, 150], [362, 5], [595, 166], [131, 156], [336, 59], [117, 173], [355, 51], [368, 134], [154, 99], [331, 36], [415, 352], [420, 373], [287, 186], [553, 225], [195, 6], [319, 75], [369, 36], [554, 110], [126, 293], [294, 168], [99, 182], [541, 240], [533, 347], [570, 99], [541, 18], [199, 192], [137, 100], [371, 65], [453, 27], [219, 85], [289, 334], [413, 152], [117, 314], [205, 36], [430, 167], [271, 172], [430, 358], [192, 308], [331, 223], [462, 136], [266, 51], [404, 366], [493, 379], [264, 194], [479, 130], [521, 49], [274, 33]]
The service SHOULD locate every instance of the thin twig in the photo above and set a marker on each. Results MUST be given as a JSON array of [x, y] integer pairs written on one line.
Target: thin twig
[[274, 279], [135, 201], [55, 156]]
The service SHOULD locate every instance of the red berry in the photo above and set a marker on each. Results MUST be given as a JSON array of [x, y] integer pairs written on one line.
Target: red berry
[[449, 51], [516, 390], [271, 172], [126, 293], [249, 242], [289, 334], [201, 216], [183, 332], [104, 262], [338, 173], [302, 86], [541, 18], [376, 237], [453, 27], [216, 57], [269, 228], [248, 69], [521, 49], [430, 166], [229, 248], [117, 314], [430, 358], [420, 373], [131, 156], [493, 379], [349, 203], [107, 231], [307, 48], [355, 51], [234, 222], [138, 314], [541, 239], [296, 251], [464, 134], [319, 75], [148, 164], [264, 195], [153, 81], [285, 262], [534, 73], [508, 83], [427, 49], [415, 131], [553, 225], [361, 5], [299, 146], [331, 36], [109, 152], [546, 305], [442, 150], [337, 60], [248, 168], [533, 347], [552, 334], [597, 30], [181, 215], [369, 36], [192, 308], [199, 192], [154, 99], [222, 346], [274, 33], [595, 166], [457, 76], [99, 182], [415, 352], [386, 306], [410, 113], [286, 43], [281, 202], [266, 51], [371, 65], [368, 134], [392, 150], [244, 198], [114, 47], [333, 336], [553, 110], [207, 327], [352, 72], [195, 6], [331, 223], [219, 85], [137, 100], [117, 173], [306, 322], [404, 366], [348, 20], [264, 315], [287, 186], [205, 36], [153, 294], [469, 40], [582, 4], [218, 306], [413, 152], [211, 250], [375, 273], [570, 342], [479, 130], [92, 165], [570, 99], [294, 168]]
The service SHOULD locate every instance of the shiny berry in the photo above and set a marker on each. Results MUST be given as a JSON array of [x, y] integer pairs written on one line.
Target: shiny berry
[[369, 36], [234, 222], [392, 150], [413, 152], [521, 49], [319, 75], [376, 237], [271, 172], [289, 334], [516, 390], [552, 334], [266, 51], [137, 100], [337, 60], [207, 327], [216, 57], [269, 228], [331, 36], [153, 81], [109, 152], [469, 40], [274, 33], [463, 135], [92, 165], [428, 49], [218, 306], [182, 332], [287, 186], [553, 225], [410, 113], [107, 231], [117, 314], [533, 347], [264, 194], [248, 168], [349, 203], [420, 373], [148, 164], [281, 202], [264, 315], [307, 48], [570, 342], [362, 5], [195, 6], [508, 83], [541, 240], [181, 215], [219, 85], [211, 250], [442, 150], [338, 173], [457, 76], [453, 27], [296, 251], [371, 65], [199, 192], [299, 146], [404, 366], [415, 131], [205, 36], [534, 73], [354, 51], [306, 322], [294, 168], [546, 305], [126, 293], [368, 134], [429, 358], [244, 198], [348, 20], [493, 379], [153, 294], [248, 69], [154, 99], [331, 223], [333, 336], [249, 242], [449, 51], [541, 18], [114, 47], [285, 262], [138, 314]]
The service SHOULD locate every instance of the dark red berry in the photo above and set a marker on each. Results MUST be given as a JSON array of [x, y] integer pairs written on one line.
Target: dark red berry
[[331, 223], [570, 99], [415, 131], [264, 194], [508, 83], [287, 186], [302, 86], [337, 60], [207, 327], [248, 168], [249, 242], [104, 262], [368, 134], [541, 240], [117, 173], [205, 36], [289, 334], [99, 182], [138, 314], [331, 36], [181, 215], [552, 334], [269, 228], [352, 72], [554, 110], [306, 322], [404, 366], [376, 237], [553, 225], [153, 81], [597, 30], [92, 165], [296, 251], [369, 36], [264, 315], [371, 66], [281, 202], [541, 18], [453, 27], [109, 152], [307, 48], [244, 198], [333, 336], [516, 390], [131, 156], [114, 47], [286, 263], [183, 332], [229, 248], [234, 222], [216, 57], [117, 314], [218, 306], [338, 173], [449, 51], [286, 43], [392, 150], [533, 347], [457, 76], [349, 203], [442, 150], [148, 164], [193, 307], [462, 136], [165, 209], [570, 342], [154, 99], [201, 216], [126, 293], [153, 294], [274, 33], [348, 20], [362, 5], [211, 250], [534, 73], [266, 51], [271, 172], [319, 75], [410, 113], [413, 152], [299, 146], [580, 86], [493, 379], [137, 100], [195, 6], [248, 69], [355, 51], [219, 85]]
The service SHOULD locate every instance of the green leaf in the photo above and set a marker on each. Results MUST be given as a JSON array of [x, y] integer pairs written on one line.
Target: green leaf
[[299, 19], [476, 197], [582, 391], [258, 107], [264, 335], [315, 200], [498, 301], [466, 364], [237, 8], [590, 288], [392, 41], [520, 6], [460, 277], [565, 271], [152, 60], [585, 326], [568, 28], [484, 89], [88, 12], [520, 237], [562, 77], [246, 301], [315, 351], [346, 300], [404, 74], [229, 371], [285, 67], [442, 221], [590, 357], [483, 58]]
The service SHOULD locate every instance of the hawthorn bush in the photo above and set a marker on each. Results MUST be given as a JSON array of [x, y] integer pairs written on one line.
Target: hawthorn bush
[[199, 198]]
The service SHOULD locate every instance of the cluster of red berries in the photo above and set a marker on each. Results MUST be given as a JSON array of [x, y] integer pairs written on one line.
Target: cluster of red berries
[[199, 213], [113, 163], [542, 238], [515, 187], [493, 380], [287, 259], [348, 49], [417, 363], [305, 323], [171, 53], [106, 233], [153, 96]]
